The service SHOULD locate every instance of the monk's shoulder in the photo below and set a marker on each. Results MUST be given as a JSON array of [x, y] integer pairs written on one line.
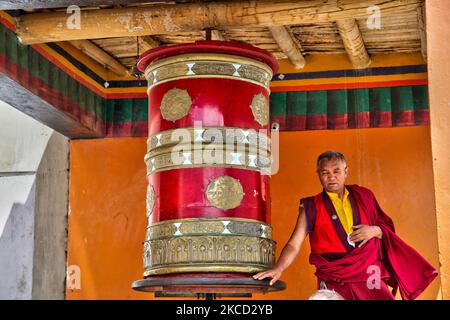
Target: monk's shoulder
[[307, 199], [362, 190]]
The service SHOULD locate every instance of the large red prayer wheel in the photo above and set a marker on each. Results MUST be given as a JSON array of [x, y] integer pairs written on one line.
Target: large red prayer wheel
[[208, 168]]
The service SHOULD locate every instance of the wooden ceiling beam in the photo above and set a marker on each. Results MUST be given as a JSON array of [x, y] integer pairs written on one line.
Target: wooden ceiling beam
[[41, 4], [194, 17], [289, 45], [218, 35], [353, 43], [422, 31], [147, 43], [99, 55]]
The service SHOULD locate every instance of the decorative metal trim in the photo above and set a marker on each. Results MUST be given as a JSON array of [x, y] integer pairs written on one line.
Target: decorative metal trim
[[188, 268], [208, 65], [240, 136], [208, 253], [175, 104], [150, 199], [228, 159], [204, 226], [260, 109]]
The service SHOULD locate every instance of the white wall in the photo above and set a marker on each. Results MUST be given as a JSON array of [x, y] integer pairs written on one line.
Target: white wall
[[22, 144], [22, 140]]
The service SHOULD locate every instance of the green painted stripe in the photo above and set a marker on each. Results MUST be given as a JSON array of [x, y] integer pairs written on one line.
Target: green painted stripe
[[337, 101], [317, 102], [39, 67], [2, 40], [297, 103], [125, 110], [402, 98], [380, 99], [358, 100], [140, 109], [420, 96], [278, 103]]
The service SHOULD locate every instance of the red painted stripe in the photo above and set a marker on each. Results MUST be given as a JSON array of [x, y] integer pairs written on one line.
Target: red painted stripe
[[337, 121], [42, 90], [356, 85], [7, 24], [281, 120], [140, 129], [350, 121], [422, 117], [128, 95], [316, 122], [403, 118], [126, 129], [381, 119], [359, 120], [297, 123]]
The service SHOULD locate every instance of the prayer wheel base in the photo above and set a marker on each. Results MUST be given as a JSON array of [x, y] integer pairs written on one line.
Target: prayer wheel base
[[204, 287]]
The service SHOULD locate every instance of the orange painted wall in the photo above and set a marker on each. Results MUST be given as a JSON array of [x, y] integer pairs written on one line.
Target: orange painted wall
[[107, 202]]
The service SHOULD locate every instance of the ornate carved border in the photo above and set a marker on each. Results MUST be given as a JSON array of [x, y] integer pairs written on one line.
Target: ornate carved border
[[208, 65], [208, 253]]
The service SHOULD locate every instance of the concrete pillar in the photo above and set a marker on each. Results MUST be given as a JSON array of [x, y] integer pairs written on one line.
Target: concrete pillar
[[33, 208], [438, 26]]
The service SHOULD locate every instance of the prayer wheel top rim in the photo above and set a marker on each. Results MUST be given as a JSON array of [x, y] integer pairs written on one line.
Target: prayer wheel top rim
[[208, 46]]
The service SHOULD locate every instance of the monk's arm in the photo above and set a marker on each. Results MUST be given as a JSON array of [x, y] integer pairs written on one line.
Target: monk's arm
[[289, 252]]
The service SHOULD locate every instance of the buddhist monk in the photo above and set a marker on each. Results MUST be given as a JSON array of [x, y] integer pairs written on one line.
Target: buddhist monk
[[354, 246]]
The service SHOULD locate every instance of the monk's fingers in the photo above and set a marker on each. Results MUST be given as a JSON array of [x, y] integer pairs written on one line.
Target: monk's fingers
[[260, 275], [353, 236], [358, 238], [363, 243], [355, 233], [263, 275], [358, 226], [274, 279]]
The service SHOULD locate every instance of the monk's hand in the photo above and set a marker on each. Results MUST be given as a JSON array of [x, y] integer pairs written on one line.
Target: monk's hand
[[274, 273], [363, 233]]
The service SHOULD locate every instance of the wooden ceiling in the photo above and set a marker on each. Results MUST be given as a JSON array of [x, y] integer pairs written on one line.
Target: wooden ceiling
[[289, 29]]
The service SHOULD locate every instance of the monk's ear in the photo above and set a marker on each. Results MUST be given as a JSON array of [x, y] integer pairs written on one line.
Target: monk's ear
[[346, 170]]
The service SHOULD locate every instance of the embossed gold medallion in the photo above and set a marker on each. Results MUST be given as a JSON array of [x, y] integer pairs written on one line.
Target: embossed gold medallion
[[175, 104], [260, 109], [225, 192]]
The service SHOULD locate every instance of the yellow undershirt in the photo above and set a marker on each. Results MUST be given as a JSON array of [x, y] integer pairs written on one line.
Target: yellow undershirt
[[343, 209]]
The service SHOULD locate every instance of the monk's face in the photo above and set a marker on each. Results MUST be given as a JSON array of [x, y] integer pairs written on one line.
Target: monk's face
[[332, 174]]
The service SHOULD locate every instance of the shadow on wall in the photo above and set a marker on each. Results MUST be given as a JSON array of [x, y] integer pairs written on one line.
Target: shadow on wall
[[33, 221], [16, 248]]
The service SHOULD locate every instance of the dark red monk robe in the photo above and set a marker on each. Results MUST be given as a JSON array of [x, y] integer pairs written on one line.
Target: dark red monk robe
[[347, 269]]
